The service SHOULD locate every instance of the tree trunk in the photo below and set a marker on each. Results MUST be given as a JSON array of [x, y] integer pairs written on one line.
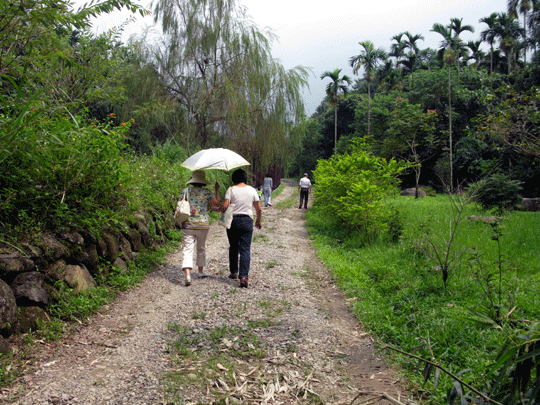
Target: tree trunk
[[450, 130], [335, 128], [369, 109]]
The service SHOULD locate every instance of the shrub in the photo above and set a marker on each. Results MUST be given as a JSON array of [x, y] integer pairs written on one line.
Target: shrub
[[497, 191], [351, 189]]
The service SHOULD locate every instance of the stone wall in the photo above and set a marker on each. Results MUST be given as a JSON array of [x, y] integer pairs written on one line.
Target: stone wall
[[29, 272]]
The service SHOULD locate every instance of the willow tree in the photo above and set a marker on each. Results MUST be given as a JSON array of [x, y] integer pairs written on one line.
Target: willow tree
[[218, 65]]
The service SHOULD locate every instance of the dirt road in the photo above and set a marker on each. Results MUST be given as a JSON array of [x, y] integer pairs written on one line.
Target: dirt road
[[287, 339]]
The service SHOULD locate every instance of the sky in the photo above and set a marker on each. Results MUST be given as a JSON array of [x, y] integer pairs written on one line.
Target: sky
[[324, 36]]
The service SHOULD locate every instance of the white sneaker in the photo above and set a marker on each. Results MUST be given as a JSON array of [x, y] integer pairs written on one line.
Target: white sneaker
[[188, 277]]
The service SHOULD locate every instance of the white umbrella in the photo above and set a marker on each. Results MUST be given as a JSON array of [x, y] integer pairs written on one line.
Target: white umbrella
[[215, 158]]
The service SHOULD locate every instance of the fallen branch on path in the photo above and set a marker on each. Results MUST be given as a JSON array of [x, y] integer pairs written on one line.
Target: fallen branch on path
[[378, 396]]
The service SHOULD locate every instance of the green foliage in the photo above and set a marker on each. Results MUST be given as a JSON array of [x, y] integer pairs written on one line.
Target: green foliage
[[311, 151], [440, 247], [62, 168], [497, 191], [351, 189], [69, 305], [515, 122], [515, 376], [397, 293]]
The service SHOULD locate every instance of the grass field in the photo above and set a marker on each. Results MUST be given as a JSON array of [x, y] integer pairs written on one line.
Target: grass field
[[399, 294]]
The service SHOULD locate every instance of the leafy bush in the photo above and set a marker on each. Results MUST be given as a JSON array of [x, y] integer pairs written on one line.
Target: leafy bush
[[497, 191], [351, 190], [63, 168]]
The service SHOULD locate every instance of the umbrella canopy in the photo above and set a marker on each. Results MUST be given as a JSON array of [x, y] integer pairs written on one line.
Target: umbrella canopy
[[215, 158]]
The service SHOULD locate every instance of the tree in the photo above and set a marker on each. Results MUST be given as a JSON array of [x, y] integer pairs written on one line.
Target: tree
[[516, 123], [28, 25], [516, 7], [451, 40], [411, 40], [333, 89], [219, 67], [397, 49], [448, 46], [509, 32], [489, 35], [369, 60], [476, 52], [411, 130], [534, 26], [456, 25], [412, 56]]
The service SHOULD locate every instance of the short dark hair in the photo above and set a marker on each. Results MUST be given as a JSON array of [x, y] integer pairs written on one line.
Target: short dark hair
[[239, 176]]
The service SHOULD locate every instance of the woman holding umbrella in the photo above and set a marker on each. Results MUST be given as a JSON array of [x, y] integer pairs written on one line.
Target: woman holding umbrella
[[244, 198], [195, 229]]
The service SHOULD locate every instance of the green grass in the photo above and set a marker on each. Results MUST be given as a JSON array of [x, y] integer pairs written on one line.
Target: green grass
[[260, 237], [290, 202], [278, 191], [401, 296]]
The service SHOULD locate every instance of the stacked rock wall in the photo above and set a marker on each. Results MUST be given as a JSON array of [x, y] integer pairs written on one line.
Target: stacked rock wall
[[29, 272]]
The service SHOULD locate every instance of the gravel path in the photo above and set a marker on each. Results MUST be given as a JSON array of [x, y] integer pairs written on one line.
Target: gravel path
[[287, 339]]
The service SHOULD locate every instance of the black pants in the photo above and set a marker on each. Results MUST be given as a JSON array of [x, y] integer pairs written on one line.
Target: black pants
[[240, 244], [304, 194]]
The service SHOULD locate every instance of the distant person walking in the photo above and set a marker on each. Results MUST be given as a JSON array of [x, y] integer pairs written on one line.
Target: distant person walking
[[305, 189], [245, 199], [268, 184]]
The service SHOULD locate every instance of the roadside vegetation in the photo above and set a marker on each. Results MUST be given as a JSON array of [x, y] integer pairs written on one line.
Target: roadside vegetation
[[480, 323]]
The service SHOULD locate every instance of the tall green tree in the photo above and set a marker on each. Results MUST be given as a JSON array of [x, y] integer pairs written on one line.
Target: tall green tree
[[397, 49], [534, 27], [411, 135], [457, 27], [448, 46], [516, 7], [410, 42], [219, 67], [476, 52], [412, 60], [489, 35], [369, 59], [338, 85], [509, 33]]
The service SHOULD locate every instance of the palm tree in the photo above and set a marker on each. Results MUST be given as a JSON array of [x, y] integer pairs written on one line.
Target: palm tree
[[516, 7], [508, 31], [369, 60], [397, 49], [447, 41], [448, 55], [336, 86], [489, 35], [456, 25], [476, 53], [410, 42], [534, 25], [412, 55]]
